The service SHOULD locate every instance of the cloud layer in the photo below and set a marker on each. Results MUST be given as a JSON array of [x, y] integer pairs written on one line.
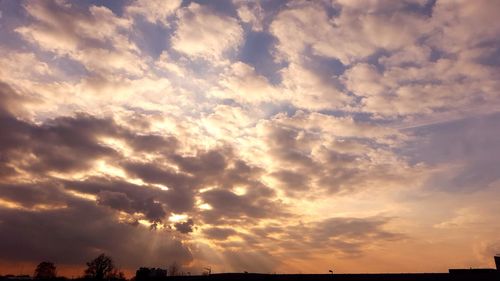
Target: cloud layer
[[250, 136]]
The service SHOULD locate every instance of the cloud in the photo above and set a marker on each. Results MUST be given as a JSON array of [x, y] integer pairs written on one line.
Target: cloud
[[345, 236], [196, 39], [291, 180], [154, 11], [432, 87], [251, 13], [258, 135], [329, 154], [184, 227], [462, 26], [256, 203], [10, 102], [74, 243], [219, 233], [65, 186], [308, 88], [353, 35], [470, 144], [58, 146], [399, 80], [242, 84], [226, 122], [95, 38], [18, 64]]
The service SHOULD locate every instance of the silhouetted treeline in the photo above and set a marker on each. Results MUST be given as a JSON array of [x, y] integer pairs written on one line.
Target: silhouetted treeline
[[341, 277], [102, 268], [324, 277]]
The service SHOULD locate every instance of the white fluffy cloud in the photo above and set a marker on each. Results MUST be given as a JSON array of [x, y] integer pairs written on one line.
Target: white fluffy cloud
[[204, 34], [155, 10], [307, 88], [241, 83], [351, 36], [251, 12], [96, 38]]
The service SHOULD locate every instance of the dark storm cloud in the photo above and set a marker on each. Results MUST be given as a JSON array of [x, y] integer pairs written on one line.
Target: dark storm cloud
[[80, 232], [116, 200], [69, 144], [206, 163], [180, 195], [30, 195], [154, 173], [185, 227], [52, 223], [218, 166], [65, 144], [124, 196], [152, 143], [258, 202], [73, 144]]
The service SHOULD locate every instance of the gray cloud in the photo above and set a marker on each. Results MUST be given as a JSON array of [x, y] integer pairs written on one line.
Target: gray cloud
[[318, 164], [292, 181], [257, 203], [343, 235], [124, 196], [71, 144], [77, 233], [65, 144], [32, 194], [185, 227], [219, 233]]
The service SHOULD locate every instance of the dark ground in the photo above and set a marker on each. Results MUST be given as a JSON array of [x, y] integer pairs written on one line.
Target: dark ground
[[490, 276], [459, 276]]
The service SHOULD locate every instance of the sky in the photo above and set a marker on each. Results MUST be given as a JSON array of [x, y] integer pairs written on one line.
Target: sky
[[260, 136]]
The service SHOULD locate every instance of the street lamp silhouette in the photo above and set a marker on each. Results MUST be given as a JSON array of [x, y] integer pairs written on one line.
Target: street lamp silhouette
[[331, 271]]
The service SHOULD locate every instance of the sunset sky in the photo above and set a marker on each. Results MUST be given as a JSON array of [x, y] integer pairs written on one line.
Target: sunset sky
[[260, 136]]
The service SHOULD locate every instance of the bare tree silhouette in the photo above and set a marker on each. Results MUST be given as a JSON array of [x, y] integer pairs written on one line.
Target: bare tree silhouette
[[100, 268], [45, 270]]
